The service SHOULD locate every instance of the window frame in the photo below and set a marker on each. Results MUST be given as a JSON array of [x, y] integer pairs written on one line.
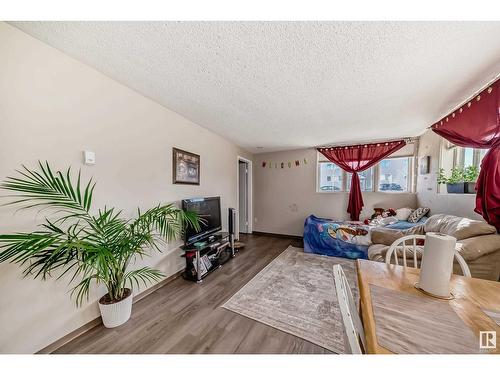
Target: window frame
[[318, 176], [457, 161], [459, 156], [373, 190], [409, 182], [376, 178]]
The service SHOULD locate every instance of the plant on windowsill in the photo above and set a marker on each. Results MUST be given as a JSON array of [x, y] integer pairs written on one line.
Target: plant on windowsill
[[91, 246], [454, 183], [471, 173]]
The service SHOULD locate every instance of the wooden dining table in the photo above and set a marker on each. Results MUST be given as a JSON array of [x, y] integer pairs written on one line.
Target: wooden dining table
[[471, 298]]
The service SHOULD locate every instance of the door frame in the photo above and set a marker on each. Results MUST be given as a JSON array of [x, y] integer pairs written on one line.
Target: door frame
[[250, 190]]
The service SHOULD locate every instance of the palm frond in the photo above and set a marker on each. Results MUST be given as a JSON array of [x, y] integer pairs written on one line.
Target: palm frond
[[44, 188], [192, 219], [82, 289], [142, 276], [87, 247], [168, 220]]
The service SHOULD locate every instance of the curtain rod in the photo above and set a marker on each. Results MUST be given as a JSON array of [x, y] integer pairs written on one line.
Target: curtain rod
[[406, 139], [471, 97]]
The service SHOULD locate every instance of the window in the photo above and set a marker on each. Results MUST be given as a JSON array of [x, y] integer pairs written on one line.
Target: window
[[393, 174], [466, 157], [390, 175], [331, 177], [365, 180], [460, 158]]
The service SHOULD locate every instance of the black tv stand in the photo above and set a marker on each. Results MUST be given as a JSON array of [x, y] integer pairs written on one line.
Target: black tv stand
[[217, 250]]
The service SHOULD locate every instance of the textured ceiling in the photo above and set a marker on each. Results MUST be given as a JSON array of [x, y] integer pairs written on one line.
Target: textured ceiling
[[286, 85]]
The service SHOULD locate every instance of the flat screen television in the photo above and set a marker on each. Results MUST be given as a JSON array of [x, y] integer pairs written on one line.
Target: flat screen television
[[209, 210]]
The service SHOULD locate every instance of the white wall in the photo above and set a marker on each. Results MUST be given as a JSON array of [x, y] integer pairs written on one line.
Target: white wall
[[283, 198], [427, 187], [51, 108]]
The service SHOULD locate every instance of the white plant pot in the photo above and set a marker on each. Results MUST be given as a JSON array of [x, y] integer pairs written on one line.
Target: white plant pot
[[116, 314]]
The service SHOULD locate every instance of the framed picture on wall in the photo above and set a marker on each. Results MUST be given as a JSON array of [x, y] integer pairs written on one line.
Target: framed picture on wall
[[185, 167], [425, 165]]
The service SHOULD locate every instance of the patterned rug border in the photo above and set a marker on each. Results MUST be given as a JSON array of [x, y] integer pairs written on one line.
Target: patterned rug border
[[255, 319], [258, 273], [273, 321]]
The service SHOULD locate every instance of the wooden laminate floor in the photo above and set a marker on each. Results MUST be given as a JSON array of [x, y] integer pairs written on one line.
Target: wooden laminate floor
[[185, 317]]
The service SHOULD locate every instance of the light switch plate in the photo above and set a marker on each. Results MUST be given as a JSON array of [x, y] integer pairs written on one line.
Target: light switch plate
[[89, 157]]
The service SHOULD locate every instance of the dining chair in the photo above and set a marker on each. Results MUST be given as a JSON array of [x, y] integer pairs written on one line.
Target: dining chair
[[354, 335], [414, 249]]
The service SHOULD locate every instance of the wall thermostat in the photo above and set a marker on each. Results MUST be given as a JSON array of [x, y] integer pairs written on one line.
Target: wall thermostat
[[89, 157]]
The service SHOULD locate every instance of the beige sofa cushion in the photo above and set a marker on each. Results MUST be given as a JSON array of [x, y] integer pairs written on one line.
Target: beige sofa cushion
[[378, 252], [386, 236], [486, 267], [458, 227], [475, 247]]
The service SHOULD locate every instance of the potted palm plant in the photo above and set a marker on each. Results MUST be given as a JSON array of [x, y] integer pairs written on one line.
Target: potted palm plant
[[92, 246], [471, 174], [454, 183]]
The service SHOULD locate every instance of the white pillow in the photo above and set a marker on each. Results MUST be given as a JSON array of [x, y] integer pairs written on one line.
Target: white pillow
[[389, 220], [403, 213], [380, 221]]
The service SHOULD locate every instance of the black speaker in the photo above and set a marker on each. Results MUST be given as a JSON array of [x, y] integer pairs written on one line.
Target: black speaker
[[231, 221], [231, 224]]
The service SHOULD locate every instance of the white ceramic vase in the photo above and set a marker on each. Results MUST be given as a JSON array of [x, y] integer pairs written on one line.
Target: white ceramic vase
[[115, 314]]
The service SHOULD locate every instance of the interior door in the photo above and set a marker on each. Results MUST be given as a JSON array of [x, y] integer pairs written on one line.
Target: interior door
[[243, 197]]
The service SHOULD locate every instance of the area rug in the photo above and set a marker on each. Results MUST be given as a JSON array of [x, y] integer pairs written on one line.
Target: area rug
[[295, 293]]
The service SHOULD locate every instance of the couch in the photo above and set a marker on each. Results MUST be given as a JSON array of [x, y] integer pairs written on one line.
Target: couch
[[477, 242]]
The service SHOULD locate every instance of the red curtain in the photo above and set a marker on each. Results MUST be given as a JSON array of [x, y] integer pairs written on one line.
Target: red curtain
[[477, 124], [354, 159]]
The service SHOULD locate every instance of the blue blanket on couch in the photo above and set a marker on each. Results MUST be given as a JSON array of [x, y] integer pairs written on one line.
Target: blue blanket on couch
[[336, 238]]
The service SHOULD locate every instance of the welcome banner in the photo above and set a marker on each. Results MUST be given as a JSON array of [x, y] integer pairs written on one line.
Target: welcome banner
[[283, 164]]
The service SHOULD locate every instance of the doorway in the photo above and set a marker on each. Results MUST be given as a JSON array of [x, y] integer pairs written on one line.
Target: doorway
[[244, 196]]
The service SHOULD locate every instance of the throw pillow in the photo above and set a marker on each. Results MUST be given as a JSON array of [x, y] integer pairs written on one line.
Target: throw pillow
[[458, 227], [403, 213], [418, 214]]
